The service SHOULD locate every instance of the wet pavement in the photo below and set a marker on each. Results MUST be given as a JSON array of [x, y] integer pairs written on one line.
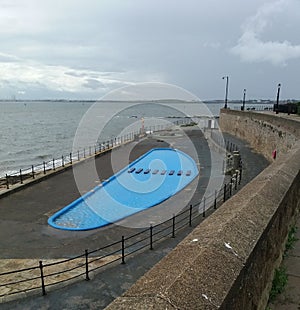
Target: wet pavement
[[24, 232]]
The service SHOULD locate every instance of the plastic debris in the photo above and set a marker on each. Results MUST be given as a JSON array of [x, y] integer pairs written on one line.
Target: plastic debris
[[228, 246]]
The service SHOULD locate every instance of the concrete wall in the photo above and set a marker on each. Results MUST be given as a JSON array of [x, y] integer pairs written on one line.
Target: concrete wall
[[227, 262]]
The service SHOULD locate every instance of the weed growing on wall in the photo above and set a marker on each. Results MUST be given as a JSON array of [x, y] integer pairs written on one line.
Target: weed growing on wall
[[280, 276]]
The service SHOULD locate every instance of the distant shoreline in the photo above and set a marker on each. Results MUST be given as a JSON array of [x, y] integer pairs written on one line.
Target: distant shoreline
[[262, 101]]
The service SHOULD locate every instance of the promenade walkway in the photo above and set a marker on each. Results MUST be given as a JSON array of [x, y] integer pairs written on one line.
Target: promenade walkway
[[289, 299], [24, 233]]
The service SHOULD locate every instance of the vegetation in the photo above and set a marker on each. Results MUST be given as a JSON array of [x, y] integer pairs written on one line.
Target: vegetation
[[280, 276], [189, 124], [298, 104], [279, 282], [291, 240]]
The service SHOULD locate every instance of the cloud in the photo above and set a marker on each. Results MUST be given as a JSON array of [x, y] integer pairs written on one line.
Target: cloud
[[252, 48], [8, 58], [93, 84], [26, 74]]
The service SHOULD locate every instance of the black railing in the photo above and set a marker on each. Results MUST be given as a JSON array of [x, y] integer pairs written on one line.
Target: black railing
[[46, 275], [256, 107], [53, 164], [43, 276]]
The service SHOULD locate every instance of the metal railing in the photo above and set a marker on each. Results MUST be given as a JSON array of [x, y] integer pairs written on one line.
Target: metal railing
[[18, 177], [256, 107], [46, 275]]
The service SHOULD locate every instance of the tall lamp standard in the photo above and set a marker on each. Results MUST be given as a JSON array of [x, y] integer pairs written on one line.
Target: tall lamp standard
[[244, 98], [277, 99], [226, 91]]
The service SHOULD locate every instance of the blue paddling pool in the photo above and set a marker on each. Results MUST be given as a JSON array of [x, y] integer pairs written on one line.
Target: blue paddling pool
[[146, 182]]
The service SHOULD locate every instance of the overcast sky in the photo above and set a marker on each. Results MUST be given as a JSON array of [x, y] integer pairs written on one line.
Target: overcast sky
[[81, 49]]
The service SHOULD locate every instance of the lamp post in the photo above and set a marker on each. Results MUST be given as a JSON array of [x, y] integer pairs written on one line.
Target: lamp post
[[226, 90], [244, 97], [277, 99]]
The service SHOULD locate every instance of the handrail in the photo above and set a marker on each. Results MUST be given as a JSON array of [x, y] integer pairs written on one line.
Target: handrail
[[167, 228]]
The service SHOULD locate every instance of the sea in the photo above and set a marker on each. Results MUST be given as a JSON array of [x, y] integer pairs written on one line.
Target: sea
[[37, 131]]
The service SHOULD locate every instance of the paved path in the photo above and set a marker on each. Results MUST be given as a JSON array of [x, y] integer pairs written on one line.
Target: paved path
[[25, 234], [290, 298]]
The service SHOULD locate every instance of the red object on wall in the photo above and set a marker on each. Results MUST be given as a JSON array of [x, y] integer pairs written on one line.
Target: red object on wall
[[274, 153]]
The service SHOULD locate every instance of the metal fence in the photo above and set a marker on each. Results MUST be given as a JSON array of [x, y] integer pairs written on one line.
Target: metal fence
[[46, 275], [52, 165], [256, 107]]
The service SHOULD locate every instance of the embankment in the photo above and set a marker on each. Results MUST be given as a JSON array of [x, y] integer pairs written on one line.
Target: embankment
[[228, 261]]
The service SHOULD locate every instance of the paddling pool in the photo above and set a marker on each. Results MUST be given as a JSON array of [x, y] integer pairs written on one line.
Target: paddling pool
[[149, 180]]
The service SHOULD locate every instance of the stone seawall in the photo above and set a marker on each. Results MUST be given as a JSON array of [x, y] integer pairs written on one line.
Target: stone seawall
[[264, 132], [227, 262]]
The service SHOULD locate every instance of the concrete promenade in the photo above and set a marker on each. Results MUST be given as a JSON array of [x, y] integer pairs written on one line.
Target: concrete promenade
[[24, 233], [289, 299]]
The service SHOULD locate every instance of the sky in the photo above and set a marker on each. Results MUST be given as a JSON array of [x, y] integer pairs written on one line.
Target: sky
[[75, 49]]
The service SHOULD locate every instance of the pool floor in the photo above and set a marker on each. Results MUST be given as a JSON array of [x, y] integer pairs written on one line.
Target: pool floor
[[149, 180]]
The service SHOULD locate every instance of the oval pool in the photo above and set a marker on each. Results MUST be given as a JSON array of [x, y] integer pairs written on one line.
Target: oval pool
[[146, 182]]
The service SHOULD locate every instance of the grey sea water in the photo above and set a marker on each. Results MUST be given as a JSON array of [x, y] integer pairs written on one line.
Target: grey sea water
[[37, 131]]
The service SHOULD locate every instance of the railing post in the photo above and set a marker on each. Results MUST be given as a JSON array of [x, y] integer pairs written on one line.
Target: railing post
[[21, 177], [236, 181], [42, 277], [53, 161], [190, 215], [32, 171], [62, 161], [95, 150], [123, 250], [71, 158], [90, 151], [78, 155], [7, 182], [44, 167], [84, 153], [203, 207], [215, 201], [240, 176], [87, 278], [230, 188], [224, 197], [151, 237], [173, 226]]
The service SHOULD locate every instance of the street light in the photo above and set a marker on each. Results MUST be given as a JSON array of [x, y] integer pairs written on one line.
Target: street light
[[277, 100], [226, 91], [244, 97]]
